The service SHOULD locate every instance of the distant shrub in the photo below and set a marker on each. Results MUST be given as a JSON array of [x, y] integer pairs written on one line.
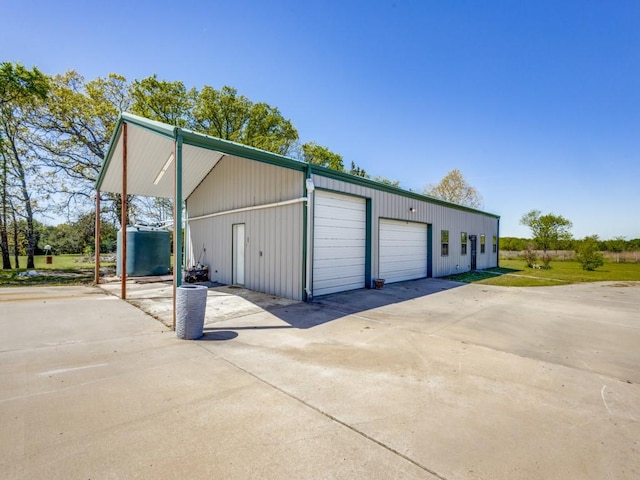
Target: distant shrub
[[588, 253], [530, 255]]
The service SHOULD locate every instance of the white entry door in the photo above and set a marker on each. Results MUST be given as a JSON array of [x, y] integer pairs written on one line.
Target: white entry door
[[339, 242], [238, 254], [403, 250]]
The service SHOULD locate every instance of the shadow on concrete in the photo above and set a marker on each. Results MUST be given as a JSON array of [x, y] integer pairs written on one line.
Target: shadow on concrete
[[218, 336], [331, 307], [228, 303]]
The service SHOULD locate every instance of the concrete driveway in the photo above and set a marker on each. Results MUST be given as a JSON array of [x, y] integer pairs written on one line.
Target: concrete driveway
[[425, 379]]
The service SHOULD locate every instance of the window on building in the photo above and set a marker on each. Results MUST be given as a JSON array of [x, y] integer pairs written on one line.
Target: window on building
[[444, 240], [483, 239], [463, 243], [495, 244]]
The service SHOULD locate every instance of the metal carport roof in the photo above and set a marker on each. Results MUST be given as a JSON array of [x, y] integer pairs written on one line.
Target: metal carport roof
[[151, 158], [151, 148]]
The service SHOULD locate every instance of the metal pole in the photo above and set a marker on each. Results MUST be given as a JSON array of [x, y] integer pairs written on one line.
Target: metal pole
[[97, 239], [123, 217], [177, 223]]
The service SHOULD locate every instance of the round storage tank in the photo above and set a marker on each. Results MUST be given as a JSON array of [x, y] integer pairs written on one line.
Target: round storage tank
[[148, 251]]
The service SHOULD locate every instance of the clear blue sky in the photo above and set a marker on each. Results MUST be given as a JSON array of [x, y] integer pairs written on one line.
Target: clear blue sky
[[537, 103]]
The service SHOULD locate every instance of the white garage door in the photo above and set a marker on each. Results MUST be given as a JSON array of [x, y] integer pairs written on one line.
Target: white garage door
[[339, 243], [403, 250]]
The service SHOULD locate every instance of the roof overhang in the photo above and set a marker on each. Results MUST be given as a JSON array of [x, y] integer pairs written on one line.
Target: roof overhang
[[150, 145], [151, 153]]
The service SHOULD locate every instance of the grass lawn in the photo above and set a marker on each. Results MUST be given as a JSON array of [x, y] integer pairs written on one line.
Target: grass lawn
[[68, 270], [64, 270], [514, 273]]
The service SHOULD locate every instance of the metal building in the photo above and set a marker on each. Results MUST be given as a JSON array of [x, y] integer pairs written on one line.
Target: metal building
[[284, 227]]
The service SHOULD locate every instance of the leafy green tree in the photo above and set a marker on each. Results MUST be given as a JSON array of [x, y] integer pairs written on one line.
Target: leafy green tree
[[588, 253], [74, 128], [21, 91], [78, 236], [164, 101], [512, 244], [221, 113], [268, 130], [322, 156], [546, 230], [454, 188], [530, 255], [18, 83], [617, 245], [225, 114], [357, 171], [386, 181]]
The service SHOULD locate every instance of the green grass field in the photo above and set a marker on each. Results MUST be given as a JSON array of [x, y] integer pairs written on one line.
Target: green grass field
[[64, 270], [69, 270], [514, 273]]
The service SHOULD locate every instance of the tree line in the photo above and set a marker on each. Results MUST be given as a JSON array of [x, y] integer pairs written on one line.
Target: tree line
[[76, 237], [614, 245], [55, 131], [553, 232]]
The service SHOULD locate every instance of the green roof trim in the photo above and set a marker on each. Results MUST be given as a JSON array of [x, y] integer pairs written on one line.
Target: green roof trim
[[366, 182], [240, 150], [160, 128]]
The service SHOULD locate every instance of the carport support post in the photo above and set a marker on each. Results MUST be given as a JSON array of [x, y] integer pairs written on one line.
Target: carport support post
[[123, 218], [177, 224], [97, 239]]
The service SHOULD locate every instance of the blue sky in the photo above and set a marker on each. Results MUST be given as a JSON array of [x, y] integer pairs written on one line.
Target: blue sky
[[537, 103]]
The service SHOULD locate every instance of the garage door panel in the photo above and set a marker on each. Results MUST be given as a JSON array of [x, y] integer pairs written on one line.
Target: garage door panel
[[340, 267], [335, 255], [339, 243], [403, 250], [335, 243]]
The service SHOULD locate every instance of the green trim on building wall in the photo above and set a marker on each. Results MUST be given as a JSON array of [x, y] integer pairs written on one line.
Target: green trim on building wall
[[177, 271], [430, 250], [365, 182], [368, 250], [498, 245]]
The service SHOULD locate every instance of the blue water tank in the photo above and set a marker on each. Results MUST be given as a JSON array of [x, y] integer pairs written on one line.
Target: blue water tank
[[148, 251]]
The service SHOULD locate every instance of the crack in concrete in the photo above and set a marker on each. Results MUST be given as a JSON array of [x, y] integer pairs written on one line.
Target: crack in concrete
[[331, 417]]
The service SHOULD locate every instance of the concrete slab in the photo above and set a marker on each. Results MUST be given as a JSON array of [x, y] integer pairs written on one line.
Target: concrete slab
[[425, 379], [113, 394], [155, 297], [471, 381]]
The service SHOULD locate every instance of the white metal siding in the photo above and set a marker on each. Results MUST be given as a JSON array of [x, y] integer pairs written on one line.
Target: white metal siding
[[403, 250], [339, 244], [440, 217], [274, 236]]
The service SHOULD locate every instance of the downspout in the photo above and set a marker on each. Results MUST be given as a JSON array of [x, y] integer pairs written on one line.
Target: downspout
[[498, 245], [309, 187]]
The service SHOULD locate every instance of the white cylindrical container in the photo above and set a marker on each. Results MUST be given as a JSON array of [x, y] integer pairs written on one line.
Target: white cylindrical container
[[191, 304]]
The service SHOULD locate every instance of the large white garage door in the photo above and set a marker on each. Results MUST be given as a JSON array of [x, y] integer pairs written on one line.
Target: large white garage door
[[339, 243], [403, 250]]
